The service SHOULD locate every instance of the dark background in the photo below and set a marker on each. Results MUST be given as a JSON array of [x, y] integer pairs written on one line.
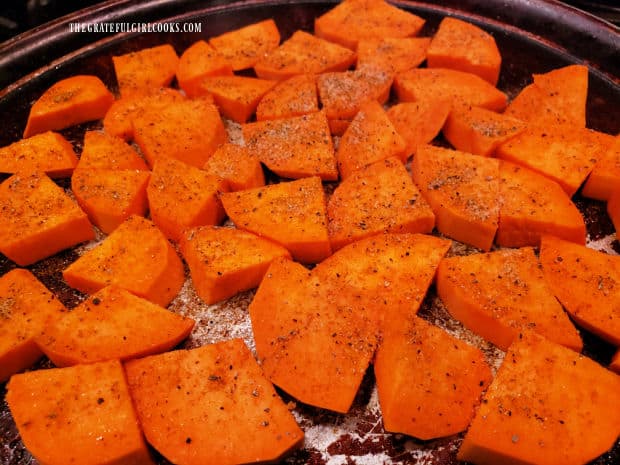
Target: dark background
[[18, 16]]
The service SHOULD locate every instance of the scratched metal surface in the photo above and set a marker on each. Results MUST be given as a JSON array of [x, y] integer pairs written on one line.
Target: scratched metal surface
[[330, 439]]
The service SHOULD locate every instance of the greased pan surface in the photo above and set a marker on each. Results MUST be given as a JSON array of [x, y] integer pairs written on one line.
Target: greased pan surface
[[533, 36]]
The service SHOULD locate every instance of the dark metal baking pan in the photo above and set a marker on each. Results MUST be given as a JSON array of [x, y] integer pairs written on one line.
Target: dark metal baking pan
[[533, 36]]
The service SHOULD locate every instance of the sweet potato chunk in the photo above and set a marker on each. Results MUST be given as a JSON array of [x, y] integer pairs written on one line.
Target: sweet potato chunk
[[69, 102], [565, 154], [244, 47], [48, 152], [585, 281], [236, 96], [27, 307], [109, 197], [501, 294], [303, 53], [225, 261], [189, 130], [198, 62], [462, 190], [85, 408], [418, 123], [237, 166], [313, 338], [174, 184], [465, 47], [38, 219], [538, 406], [615, 362], [478, 130], [224, 385], [146, 70], [118, 120], [112, 324], [369, 138], [613, 209], [295, 96], [378, 198], [429, 382], [449, 84], [342, 94], [136, 257], [290, 213], [605, 175], [354, 20], [532, 205], [294, 147], [103, 151], [391, 272], [391, 53], [556, 97]]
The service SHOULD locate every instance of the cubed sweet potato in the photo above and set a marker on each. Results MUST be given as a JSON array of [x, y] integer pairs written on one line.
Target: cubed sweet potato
[[38, 219], [211, 406], [237, 166], [27, 308]]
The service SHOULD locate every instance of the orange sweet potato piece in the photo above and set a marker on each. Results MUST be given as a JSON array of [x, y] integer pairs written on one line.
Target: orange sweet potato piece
[[137, 257], [556, 97], [144, 71], [103, 151], [392, 53], [429, 382], [236, 96], [224, 385], [478, 130], [303, 53], [81, 414], [181, 196], [354, 20], [109, 197], [532, 205], [290, 213], [378, 198], [615, 362], [605, 175], [585, 282], [295, 96], [244, 47], [118, 120], [465, 47], [337, 127], [48, 152], [418, 123], [565, 154], [613, 209], [27, 307], [389, 272], [189, 130], [456, 86], [295, 147], [38, 219], [237, 166], [69, 102], [501, 294], [462, 190], [314, 340], [538, 406], [342, 94], [111, 325], [226, 261], [369, 138], [196, 63]]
